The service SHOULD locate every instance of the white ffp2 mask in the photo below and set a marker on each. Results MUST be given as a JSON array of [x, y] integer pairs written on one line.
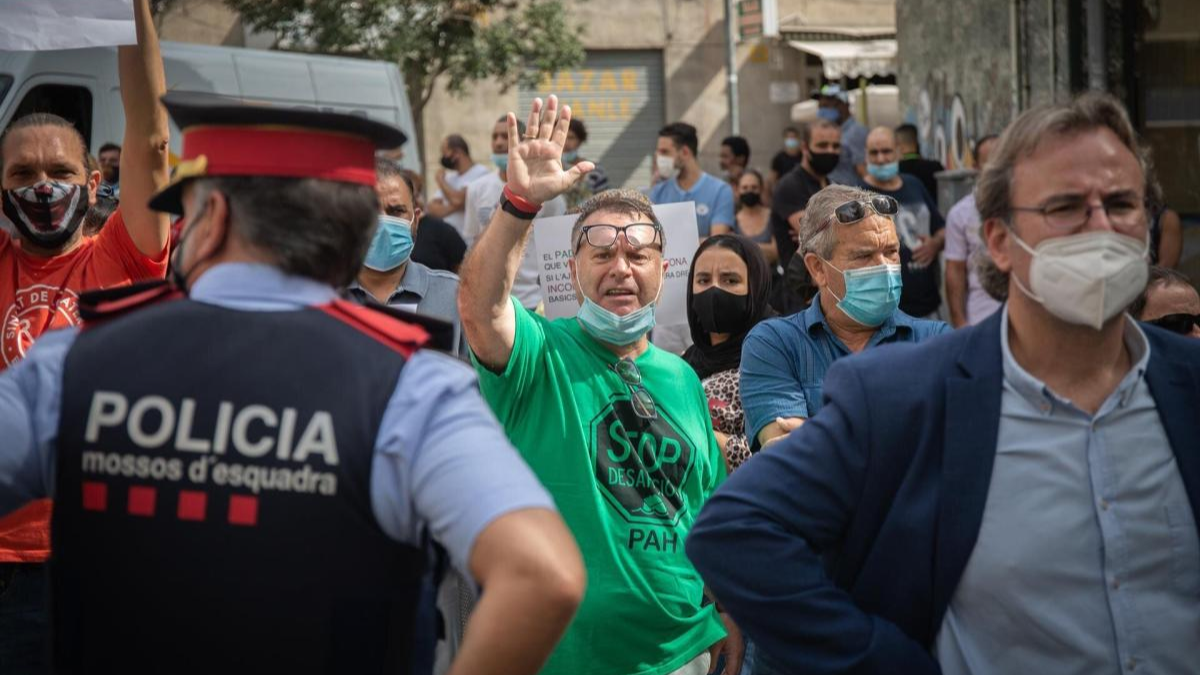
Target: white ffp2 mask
[[1088, 278]]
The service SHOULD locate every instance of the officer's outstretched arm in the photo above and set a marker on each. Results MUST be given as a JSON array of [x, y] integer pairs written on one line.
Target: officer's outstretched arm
[[144, 153], [535, 174], [533, 581]]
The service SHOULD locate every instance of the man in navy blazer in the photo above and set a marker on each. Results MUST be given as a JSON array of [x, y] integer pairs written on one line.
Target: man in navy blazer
[[1019, 496]]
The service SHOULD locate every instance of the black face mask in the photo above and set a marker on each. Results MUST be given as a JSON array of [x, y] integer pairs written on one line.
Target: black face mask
[[750, 198], [48, 213], [824, 162], [447, 162], [720, 311]]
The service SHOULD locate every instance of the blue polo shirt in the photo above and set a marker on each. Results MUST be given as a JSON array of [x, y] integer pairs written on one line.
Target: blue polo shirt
[[713, 197], [784, 361]]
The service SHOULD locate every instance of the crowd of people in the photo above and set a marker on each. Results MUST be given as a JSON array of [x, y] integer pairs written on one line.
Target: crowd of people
[[322, 423]]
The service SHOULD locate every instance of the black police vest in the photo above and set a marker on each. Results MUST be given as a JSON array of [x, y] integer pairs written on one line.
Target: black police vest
[[213, 503]]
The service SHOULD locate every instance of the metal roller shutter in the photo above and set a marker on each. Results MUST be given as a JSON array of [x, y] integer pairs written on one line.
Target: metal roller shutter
[[619, 96]]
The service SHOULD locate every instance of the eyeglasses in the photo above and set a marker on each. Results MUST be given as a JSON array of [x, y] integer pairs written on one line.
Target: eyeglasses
[[1124, 213], [643, 403], [1177, 323], [639, 235]]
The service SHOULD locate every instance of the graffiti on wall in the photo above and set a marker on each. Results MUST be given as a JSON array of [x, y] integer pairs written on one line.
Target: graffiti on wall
[[948, 125]]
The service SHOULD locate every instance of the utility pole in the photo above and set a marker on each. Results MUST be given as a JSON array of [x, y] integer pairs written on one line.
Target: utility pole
[[735, 121]]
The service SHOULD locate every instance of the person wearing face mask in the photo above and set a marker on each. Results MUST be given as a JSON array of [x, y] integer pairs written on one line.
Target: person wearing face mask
[[284, 435], [820, 152], [728, 288], [682, 180], [919, 224], [1169, 301], [456, 172], [47, 192], [1018, 496], [834, 106], [594, 181], [484, 198], [788, 158], [849, 245], [753, 216], [617, 429], [388, 275], [734, 159]]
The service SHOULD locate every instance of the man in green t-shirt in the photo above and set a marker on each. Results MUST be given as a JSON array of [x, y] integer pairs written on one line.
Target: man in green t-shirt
[[616, 429]]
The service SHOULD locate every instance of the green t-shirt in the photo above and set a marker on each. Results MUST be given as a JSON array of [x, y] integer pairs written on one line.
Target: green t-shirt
[[628, 488]]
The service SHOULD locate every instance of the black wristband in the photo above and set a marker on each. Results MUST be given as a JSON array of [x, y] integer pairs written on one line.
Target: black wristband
[[511, 209]]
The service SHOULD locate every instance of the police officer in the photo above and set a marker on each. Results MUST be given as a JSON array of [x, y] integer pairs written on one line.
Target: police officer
[[246, 468]]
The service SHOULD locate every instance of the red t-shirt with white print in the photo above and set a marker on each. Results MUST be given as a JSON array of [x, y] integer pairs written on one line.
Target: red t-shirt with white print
[[39, 294]]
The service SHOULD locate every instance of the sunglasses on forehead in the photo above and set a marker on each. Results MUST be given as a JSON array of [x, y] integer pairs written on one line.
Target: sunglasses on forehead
[[854, 211], [639, 235], [1177, 323]]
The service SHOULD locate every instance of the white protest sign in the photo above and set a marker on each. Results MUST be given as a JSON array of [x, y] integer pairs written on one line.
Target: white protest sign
[[552, 237], [34, 25]]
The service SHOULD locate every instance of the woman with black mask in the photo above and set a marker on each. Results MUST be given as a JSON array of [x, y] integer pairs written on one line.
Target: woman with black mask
[[753, 215], [728, 289]]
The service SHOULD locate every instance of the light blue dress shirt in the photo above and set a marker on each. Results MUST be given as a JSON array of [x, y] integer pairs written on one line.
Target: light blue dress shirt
[[441, 461], [1087, 560], [713, 198]]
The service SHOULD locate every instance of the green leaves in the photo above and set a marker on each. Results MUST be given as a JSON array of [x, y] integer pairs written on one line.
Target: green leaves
[[464, 40]]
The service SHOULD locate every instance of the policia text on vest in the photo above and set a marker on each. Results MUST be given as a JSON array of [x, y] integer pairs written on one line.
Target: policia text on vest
[[251, 431]]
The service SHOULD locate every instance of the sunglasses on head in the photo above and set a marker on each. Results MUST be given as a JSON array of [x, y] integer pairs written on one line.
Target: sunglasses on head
[[854, 211], [1177, 323]]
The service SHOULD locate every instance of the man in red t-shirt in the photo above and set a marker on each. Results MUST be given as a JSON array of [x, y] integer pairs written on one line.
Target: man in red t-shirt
[[46, 189]]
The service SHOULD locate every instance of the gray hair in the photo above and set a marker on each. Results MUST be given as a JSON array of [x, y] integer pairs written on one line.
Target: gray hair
[[309, 227], [817, 232], [993, 191], [625, 201]]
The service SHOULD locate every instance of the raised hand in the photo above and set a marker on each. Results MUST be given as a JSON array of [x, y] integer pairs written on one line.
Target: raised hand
[[535, 169]]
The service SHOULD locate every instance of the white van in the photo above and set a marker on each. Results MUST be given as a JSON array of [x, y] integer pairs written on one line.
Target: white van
[[82, 86]]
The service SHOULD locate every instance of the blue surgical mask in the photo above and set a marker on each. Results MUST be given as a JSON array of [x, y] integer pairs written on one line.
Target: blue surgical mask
[[392, 245], [612, 328], [791, 143], [828, 114], [884, 171], [872, 293], [569, 156], [500, 160]]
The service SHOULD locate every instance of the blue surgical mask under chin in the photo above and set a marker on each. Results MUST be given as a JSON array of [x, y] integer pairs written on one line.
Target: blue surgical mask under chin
[[884, 171], [501, 161], [569, 156], [392, 245], [872, 293], [612, 328]]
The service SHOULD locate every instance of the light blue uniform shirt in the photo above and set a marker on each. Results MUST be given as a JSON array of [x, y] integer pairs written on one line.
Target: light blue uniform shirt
[[1087, 561], [854, 152], [784, 361], [441, 461], [713, 197]]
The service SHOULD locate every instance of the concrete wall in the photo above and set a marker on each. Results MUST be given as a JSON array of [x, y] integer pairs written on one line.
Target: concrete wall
[[691, 35], [956, 77]]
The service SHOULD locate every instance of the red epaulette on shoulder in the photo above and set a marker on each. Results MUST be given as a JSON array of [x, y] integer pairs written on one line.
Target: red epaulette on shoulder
[[382, 325], [109, 303]]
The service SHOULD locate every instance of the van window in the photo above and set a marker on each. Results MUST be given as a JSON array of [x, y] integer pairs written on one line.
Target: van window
[[72, 103], [5, 84]]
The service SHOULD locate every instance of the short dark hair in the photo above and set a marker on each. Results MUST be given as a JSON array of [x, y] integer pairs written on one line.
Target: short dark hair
[[106, 147], [806, 137], [520, 124], [578, 128], [791, 130], [309, 227], [1159, 276], [683, 135], [389, 170], [739, 146], [907, 134], [42, 119], [624, 200], [457, 142]]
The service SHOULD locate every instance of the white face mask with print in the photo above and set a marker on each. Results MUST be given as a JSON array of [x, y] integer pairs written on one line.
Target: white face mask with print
[[1086, 279]]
